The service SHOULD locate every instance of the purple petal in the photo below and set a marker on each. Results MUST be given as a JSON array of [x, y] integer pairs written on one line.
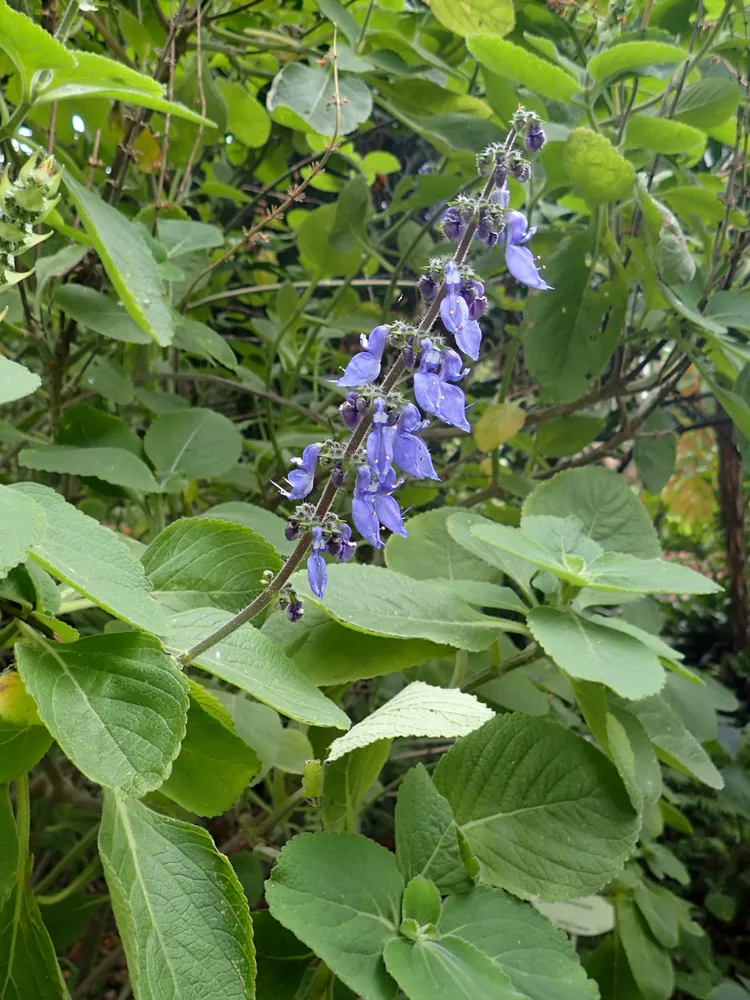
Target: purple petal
[[317, 574], [348, 547], [389, 514], [521, 265], [362, 369], [453, 407], [452, 276], [469, 337], [516, 225], [366, 520], [453, 312], [502, 196], [376, 342], [412, 456], [380, 449], [427, 387], [410, 420], [451, 369]]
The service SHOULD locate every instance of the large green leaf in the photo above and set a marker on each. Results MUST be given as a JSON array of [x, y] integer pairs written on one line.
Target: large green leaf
[[128, 261], [346, 783], [569, 338], [662, 135], [265, 522], [16, 381], [430, 552], [214, 765], [591, 652], [199, 562], [418, 710], [515, 63], [308, 91], [475, 17], [93, 559], [28, 966], [608, 965], [23, 525], [629, 56], [382, 602], [447, 969], [544, 812], [115, 703], [611, 512], [426, 834], [9, 840], [113, 465], [276, 745], [538, 958], [254, 663], [708, 102], [341, 895], [29, 46], [197, 338], [649, 962], [21, 747], [655, 456], [99, 313], [460, 528], [597, 170], [196, 443], [180, 909]]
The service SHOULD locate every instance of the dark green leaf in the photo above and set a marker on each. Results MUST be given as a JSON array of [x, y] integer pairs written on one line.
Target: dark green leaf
[[649, 963], [23, 525], [196, 443], [113, 465], [430, 551], [99, 313], [308, 91]]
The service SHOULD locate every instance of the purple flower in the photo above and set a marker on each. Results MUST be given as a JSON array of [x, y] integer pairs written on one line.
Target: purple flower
[[352, 408], [317, 574], [302, 479], [486, 232], [501, 197], [295, 611], [519, 258], [521, 171], [410, 453], [365, 366], [434, 389], [386, 508], [429, 288], [472, 293], [455, 314], [363, 508], [380, 441], [534, 138], [347, 548], [454, 224]]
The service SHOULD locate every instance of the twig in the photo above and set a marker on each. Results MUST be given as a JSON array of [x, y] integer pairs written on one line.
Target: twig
[[165, 139], [98, 973], [201, 92], [528, 655]]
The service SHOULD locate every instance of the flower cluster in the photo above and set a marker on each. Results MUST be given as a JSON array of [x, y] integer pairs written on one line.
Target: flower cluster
[[24, 202], [392, 447]]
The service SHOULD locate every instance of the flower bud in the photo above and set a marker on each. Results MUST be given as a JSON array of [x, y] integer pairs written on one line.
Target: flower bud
[[501, 170], [454, 224], [534, 138], [521, 171], [485, 230], [409, 355], [428, 288], [292, 531], [295, 611], [478, 308], [352, 408]]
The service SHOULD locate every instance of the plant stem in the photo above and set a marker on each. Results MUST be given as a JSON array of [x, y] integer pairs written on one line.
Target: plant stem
[[532, 652], [67, 860], [83, 878], [460, 668], [278, 814]]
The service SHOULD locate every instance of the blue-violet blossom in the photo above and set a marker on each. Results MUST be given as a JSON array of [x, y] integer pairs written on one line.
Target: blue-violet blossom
[[455, 314], [317, 574], [302, 479], [365, 366], [363, 508], [519, 258], [410, 453], [380, 442], [387, 509], [433, 385]]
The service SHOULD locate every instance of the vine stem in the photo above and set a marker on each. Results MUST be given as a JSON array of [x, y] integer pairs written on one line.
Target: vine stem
[[331, 488]]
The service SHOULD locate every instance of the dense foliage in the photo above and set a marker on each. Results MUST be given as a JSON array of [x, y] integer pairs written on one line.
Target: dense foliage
[[457, 708]]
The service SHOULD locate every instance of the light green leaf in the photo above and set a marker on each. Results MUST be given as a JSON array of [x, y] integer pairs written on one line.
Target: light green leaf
[[28, 966], [617, 571], [498, 424], [655, 456], [661, 910], [708, 102], [328, 653], [460, 528], [16, 381], [109, 380], [180, 909], [674, 743], [197, 338], [9, 840], [649, 963], [591, 652], [341, 17], [418, 710], [21, 748], [214, 765], [731, 309], [315, 244], [29, 46], [662, 135], [248, 120], [553, 543], [475, 17], [341, 895], [186, 236], [448, 969], [426, 835], [629, 56], [634, 756], [265, 522], [94, 560], [260, 727], [537, 957], [128, 261], [115, 703], [308, 92], [587, 916], [596, 169], [429, 552], [515, 63], [252, 662], [96, 76], [55, 265], [113, 465], [196, 443], [544, 812], [566, 342], [99, 313], [609, 509], [381, 602], [347, 782], [23, 525], [201, 562]]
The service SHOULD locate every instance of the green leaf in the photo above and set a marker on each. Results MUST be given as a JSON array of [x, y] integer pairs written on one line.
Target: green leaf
[[709, 101], [248, 120], [448, 969], [429, 552], [265, 522], [634, 756], [661, 910], [214, 765], [731, 309], [196, 443], [537, 957], [460, 528], [418, 710], [596, 169], [346, 783], [28, 966], [426, 835], [341, 17], [517, 64], [309, 90], [475, 17], [617, 571], [23, 525], [87, 427], [260, 727], [29, 46], [197, 338], [99, 313], [21, 748], [115, 703], [544, 812], [662, 135], [381, 602], [498, 424], [649, 963], [674, 743], [341, 895], [629, 56], [113, 465], [588, 651], [567, 343], [96, 76], [655, 456], [9, 840], [608, 965], [94, 560], [610, 511], [201, 562], [252, 662], [421, 902], [315, 244], [16, 381], [110, 380], [180, 910], [128, 261], [566, 435], [553, 543]]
